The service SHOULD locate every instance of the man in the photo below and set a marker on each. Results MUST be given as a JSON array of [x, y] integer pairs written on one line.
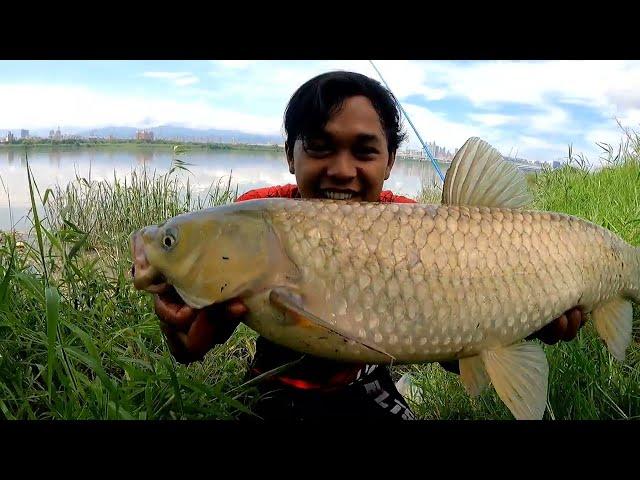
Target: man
[[343, 130]]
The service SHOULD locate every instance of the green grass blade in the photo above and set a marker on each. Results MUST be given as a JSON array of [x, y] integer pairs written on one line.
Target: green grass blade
[[36, 217], [175, 384], [77, 246], [4, 286], [53, 313]]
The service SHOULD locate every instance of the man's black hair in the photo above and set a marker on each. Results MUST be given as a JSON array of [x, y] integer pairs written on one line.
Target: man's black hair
[[318, 99]]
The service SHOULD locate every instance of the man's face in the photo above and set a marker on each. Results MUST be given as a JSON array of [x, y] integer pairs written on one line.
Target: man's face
[[349, 159]]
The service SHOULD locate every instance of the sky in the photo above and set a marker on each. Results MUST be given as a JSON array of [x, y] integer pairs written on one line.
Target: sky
[[530, 109]]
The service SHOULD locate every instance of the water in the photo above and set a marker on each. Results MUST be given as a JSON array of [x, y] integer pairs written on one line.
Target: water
[[249, 169]]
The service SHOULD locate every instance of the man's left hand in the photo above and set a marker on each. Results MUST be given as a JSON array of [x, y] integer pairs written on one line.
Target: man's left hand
[[563, 328]]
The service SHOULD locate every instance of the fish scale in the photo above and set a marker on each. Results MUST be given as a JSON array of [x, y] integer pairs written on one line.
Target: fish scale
[[526, 282]]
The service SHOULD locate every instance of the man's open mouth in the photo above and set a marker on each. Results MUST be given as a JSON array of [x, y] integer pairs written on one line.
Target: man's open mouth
[[338, 195]]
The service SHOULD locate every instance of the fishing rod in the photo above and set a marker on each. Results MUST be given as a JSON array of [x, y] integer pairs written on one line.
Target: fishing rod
[[424, 146]]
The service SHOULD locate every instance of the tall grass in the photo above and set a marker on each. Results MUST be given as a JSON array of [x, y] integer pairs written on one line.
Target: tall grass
[[78, 342]]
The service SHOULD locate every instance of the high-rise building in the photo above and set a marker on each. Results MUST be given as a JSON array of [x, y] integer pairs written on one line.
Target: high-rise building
[[146, 135], [24, 133]]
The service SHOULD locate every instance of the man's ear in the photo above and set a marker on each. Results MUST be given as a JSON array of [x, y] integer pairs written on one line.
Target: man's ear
[[288, 150]]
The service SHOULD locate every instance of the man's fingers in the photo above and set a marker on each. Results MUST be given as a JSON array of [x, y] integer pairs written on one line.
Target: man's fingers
[[236, 308], [174, 313]]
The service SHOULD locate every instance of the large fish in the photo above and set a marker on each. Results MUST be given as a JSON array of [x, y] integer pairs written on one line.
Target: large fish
[[407, 283]]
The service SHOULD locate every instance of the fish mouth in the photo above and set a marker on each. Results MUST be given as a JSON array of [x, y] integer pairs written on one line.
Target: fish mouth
[[145, 276]]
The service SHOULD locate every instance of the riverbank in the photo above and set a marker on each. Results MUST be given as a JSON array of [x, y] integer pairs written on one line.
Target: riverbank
[[143, 145]]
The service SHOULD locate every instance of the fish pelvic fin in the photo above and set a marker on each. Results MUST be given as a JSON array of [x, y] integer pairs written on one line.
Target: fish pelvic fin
[[473, 375], [613, 322], [520, 375], [479, 176]]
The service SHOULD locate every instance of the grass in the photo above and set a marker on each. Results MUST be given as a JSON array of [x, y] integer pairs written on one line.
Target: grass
[[78, 342]]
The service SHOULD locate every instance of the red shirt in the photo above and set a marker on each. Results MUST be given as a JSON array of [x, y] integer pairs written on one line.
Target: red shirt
[[291, 191], [313, 373]]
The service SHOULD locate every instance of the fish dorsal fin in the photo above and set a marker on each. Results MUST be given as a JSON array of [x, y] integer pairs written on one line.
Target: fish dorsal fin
[[473, 375], [520, 375], [613, 322], [479, 176], [288, 301]]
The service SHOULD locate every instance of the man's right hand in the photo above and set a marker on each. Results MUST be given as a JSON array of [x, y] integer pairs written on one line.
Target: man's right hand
[[191, 333]]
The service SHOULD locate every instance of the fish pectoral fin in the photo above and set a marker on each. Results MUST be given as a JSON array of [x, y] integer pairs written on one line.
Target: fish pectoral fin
[[520, 375], [614, 322], [479, 176], [473, 375], [290, 302]]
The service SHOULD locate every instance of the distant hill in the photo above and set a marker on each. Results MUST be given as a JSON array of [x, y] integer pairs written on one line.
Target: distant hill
[[176, 132]]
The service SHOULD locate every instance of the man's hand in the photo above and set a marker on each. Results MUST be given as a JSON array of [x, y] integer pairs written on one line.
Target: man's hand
[[191, 333], [563, 328]]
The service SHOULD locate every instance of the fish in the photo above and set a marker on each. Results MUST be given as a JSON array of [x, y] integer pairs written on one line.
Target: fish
[[384, 283]]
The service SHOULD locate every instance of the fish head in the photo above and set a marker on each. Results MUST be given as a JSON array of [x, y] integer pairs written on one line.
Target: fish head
[[207, 256]]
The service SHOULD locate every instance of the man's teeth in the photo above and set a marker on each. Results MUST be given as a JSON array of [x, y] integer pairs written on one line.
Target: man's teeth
[[338, 195]]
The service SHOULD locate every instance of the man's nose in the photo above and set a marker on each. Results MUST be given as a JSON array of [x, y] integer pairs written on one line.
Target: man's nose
[[342, 166]]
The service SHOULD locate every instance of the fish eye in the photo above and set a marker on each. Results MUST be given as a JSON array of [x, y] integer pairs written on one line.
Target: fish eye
[[169, 239]]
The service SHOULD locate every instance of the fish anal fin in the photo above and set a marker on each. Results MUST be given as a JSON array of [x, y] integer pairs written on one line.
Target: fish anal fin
[[473, 375], [520, 374], [613, 321]]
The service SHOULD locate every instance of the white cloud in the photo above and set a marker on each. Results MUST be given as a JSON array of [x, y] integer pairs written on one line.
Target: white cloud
[[527, 142], [186, 81], [82, 107], [587, 82], [492, 119], [630, 118], [448, 134], [234, 64], [178, 78], [553, 120], [611, 136]]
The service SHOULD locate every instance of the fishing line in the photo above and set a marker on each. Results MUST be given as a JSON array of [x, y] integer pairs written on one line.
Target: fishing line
[[424, 146]]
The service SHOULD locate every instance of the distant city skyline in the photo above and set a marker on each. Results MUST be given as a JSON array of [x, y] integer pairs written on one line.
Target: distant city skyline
[[440, 153], [529, 109]]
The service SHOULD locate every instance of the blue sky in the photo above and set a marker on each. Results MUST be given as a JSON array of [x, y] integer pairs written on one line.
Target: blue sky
[[534, 109]]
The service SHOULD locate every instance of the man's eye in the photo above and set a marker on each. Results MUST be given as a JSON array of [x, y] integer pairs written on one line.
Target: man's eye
[[315, 147], [366, 151]]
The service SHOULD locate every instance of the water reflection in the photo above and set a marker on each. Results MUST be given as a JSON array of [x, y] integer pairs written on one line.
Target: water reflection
[[248, 169], [143, 157]]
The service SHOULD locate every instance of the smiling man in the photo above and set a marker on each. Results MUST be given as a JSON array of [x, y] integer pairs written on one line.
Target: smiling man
[[343, 130]]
